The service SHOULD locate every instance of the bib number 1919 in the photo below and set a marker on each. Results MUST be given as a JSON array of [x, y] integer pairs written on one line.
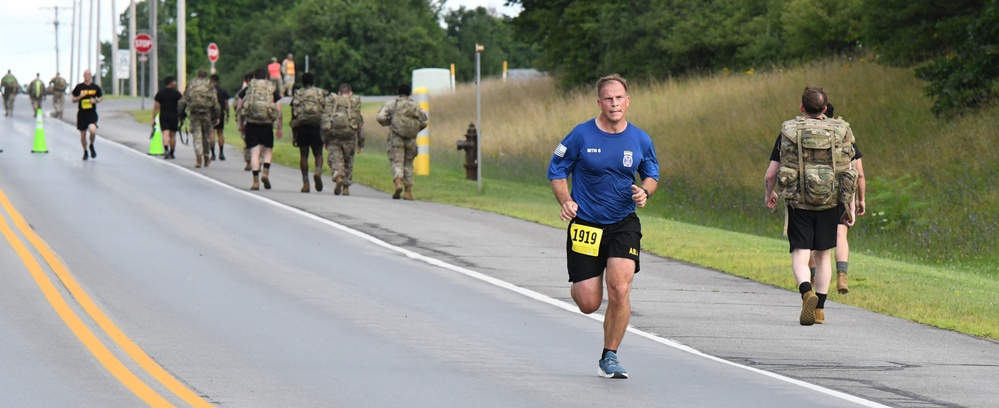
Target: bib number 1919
[[585, 239]]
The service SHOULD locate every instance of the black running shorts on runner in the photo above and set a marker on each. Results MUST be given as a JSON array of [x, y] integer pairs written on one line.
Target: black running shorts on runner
[[259, 135], [169, 123], [84, 117], [814, 230], [309, 136], [619, 240]]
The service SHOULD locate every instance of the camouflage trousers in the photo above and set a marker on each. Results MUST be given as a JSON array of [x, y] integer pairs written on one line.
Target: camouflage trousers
[[401, 153], [57, 103], [201, 133], [341, 158], [246, 150], [36, 104], [8, 102]]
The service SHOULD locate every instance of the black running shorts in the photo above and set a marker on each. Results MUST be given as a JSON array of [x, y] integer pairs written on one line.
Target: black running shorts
[[588, 245], [85, 117], [309, 137], [814, 230], [169, 123], [259, 135]]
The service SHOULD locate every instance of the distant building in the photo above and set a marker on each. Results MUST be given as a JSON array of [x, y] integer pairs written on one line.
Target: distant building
[[436, 80], [524, 73]]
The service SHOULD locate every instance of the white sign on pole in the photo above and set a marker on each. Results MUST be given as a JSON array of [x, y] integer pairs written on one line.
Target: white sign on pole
[[122, 64]]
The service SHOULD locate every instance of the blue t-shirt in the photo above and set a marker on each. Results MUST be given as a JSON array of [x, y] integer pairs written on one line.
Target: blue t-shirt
[[603, 167]]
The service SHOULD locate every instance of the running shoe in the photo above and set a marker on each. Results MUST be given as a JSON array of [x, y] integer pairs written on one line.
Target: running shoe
[[93, 153], [610, 368]]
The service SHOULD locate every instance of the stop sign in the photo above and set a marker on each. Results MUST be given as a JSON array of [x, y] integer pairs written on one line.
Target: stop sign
[[213, 52], [143, 43]]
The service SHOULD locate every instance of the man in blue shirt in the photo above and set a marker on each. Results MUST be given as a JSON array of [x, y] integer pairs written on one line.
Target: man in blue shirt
[[604, 235]]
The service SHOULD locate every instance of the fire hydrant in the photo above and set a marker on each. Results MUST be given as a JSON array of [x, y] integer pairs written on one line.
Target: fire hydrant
[[471, 153]]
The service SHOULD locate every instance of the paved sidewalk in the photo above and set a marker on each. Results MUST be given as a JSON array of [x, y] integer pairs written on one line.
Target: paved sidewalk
[[884, 359]]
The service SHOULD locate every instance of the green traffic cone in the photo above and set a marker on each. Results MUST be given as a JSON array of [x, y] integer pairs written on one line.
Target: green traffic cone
[[156, 141], [40, 146]]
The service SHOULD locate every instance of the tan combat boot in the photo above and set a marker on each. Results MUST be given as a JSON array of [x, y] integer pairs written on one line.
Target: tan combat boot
[[841, 283], [398, 188], [346, 190], [256, 183], [265, 179], [338, 188], [305, 187], [808, 302], [247, 168], [408, 195], [820, 316], [197, 164], [207, 160]]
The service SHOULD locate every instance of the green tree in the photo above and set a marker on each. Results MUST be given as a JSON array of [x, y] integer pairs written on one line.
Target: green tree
[[467, 27], [963, 80], [906, 32]]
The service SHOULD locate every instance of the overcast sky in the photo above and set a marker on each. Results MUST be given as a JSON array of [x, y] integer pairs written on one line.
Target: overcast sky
[[28, 40]]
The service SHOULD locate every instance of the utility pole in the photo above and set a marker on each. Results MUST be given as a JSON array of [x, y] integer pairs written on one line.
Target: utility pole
[[181, 44], [79, 41], [113, 64], [72, 43], [154, 59], [90, 38], [56, 8], [133, 79]]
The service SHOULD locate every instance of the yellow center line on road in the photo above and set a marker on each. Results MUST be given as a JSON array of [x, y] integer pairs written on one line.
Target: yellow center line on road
[[79, 328]]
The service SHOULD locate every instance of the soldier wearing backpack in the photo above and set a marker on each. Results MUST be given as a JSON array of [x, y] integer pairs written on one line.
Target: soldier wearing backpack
[[202, 105], [57, 86], [239, 119], [307, 106], [10, 89], [405, 119], [811, 168], [342, 123], [260, 106], [36, 92]]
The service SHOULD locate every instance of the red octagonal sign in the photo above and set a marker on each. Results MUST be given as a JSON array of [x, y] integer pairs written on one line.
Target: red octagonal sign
[[213, 52], [143, 43]]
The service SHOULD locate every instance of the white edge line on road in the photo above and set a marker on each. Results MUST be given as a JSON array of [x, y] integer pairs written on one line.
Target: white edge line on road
[[509, 286]]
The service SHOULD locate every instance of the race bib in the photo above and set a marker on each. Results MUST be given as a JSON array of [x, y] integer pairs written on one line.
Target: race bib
[[85, 104], [586, 239]]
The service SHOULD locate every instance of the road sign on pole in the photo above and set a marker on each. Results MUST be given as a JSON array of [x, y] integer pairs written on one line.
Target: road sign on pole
[[213, 55], [143, 43]]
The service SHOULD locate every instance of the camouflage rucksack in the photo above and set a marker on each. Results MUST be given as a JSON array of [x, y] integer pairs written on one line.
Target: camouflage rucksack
[[307, 106], [201, 96], [407, 119], [59, 84], [36, 89], [816, 163], [258, 104], [339, 121]]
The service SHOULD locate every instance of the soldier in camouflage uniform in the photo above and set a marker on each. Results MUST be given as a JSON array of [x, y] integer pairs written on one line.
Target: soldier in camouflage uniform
[[10, 89], [402, 148], [57, 87], [342, 150], [36, 92], [202, 101]]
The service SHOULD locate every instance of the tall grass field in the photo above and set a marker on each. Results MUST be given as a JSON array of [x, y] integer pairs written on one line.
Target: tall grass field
[[926, 251]]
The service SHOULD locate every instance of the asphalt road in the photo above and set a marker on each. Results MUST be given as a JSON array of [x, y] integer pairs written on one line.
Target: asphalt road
[[280, 298]]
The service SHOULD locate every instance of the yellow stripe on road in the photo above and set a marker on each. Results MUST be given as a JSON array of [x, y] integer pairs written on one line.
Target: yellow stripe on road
[[79, 328]]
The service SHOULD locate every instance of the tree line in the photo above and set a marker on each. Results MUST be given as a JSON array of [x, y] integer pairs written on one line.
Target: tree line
[[373, 44], [954, 44]]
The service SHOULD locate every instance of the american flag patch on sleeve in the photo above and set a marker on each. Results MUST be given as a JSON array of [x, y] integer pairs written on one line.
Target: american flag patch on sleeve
[[560, 150]]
